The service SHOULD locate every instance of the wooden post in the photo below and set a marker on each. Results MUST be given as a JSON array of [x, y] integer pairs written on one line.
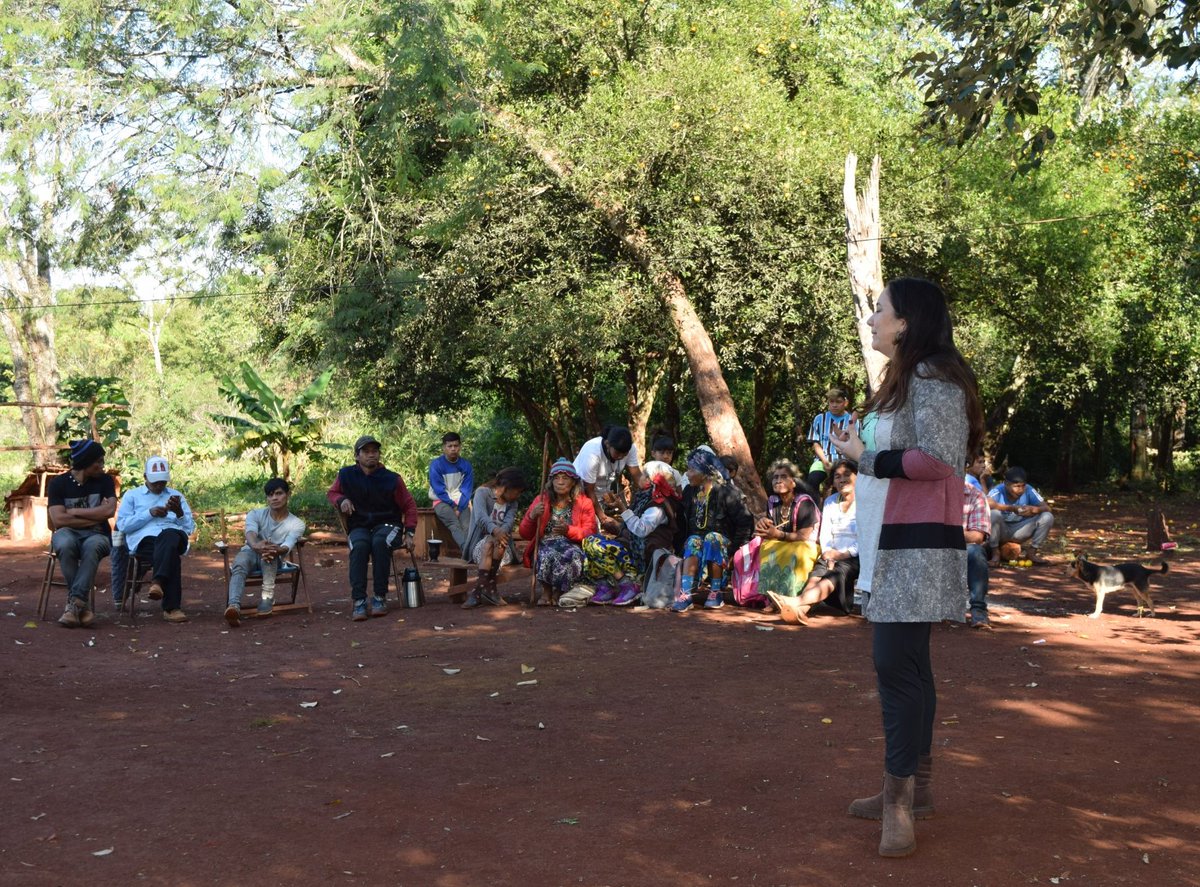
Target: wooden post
[[537, 526]]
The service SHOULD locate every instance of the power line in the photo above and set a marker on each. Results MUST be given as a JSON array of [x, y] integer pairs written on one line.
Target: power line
[[422, 281]]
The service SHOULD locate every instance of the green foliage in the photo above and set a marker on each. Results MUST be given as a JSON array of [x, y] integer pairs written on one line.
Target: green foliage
[[273, 428], [111, 416], [996, 59]]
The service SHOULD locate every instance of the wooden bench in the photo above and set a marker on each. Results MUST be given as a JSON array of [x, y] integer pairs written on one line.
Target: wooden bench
[[460, 582]]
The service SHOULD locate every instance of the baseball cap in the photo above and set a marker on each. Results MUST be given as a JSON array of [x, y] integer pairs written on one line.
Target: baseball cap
[[156, 469], [363, 441]]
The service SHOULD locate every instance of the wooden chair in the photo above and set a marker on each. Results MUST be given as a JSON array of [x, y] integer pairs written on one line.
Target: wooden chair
[[135, 578], [49, 583], [290, 573]]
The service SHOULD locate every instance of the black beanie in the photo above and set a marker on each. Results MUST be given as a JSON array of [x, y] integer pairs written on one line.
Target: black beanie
[[85, 453]]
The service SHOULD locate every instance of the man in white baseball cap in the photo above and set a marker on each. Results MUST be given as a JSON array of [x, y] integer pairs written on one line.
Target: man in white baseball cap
[[157, 522]]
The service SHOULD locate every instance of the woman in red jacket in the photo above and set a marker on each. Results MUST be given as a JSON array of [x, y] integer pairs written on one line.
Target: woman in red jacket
[[561, 517]]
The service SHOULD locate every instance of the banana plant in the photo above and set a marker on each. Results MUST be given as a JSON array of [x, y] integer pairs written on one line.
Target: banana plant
[[274, 429]]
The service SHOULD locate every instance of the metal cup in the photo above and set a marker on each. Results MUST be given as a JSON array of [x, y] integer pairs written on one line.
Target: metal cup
[[435, 548]]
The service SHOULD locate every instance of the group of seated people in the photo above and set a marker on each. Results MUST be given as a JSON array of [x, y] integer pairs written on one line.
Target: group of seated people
[[153, 530], [606, 529]]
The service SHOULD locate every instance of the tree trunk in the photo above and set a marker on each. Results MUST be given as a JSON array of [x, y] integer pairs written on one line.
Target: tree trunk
[[999, 420], [765, 382], [641, 388], [671, 413], [1164, 440], [1099, 433], [863, 261], [1139, 444], [716, 403], [29, 328], [1064, 475]]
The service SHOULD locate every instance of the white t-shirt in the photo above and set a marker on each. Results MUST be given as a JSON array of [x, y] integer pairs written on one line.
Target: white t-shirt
[[596, 468]]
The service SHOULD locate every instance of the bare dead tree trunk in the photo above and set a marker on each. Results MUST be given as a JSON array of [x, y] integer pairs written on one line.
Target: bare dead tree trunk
[[863, 261], [716, 403]]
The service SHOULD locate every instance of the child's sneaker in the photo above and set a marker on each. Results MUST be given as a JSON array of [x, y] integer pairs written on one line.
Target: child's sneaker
[[360, 611], [233, 615], [604, 593], [378, 606], [682, 602], [714, 601]]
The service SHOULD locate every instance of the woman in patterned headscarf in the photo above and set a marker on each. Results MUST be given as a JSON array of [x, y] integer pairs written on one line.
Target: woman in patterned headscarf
[[717, 524], [561, 517]]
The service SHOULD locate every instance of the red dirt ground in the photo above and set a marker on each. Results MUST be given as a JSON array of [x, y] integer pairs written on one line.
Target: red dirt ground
[[653, 749]]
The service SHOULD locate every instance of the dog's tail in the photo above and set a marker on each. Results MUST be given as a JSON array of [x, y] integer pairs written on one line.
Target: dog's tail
[[1164, 568]]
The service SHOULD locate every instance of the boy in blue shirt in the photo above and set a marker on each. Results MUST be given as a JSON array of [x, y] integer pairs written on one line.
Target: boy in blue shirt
[[824, 453], [451, 486], [1019, 514]]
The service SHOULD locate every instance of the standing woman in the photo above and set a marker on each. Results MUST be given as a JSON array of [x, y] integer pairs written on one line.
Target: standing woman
[[910, 448]]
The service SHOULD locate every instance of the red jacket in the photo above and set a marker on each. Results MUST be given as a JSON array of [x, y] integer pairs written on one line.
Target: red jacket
[[583, 522]]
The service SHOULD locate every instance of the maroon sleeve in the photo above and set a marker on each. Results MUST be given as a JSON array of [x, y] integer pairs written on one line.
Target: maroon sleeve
[[335, 495], [406, 503]]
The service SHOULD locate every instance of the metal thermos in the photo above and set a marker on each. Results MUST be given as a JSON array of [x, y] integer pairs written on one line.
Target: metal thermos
[[410, 588]]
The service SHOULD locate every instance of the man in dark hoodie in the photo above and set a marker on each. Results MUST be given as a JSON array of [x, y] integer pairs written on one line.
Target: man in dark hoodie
[[381, 515]]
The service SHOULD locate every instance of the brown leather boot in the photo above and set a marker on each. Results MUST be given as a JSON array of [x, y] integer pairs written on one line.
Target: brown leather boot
[[872, 807], [899, 836], [489, 592]]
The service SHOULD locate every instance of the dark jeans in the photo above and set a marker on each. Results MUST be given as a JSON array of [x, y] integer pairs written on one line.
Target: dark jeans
[[367, 544], [163, 553], [977, 581], [79, 554], [906, 692]]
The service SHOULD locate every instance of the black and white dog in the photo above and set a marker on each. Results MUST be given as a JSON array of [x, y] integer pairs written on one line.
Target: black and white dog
[[1107, 579]]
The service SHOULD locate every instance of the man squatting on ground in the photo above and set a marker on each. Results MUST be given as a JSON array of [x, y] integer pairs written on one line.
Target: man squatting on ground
[[451, 486], [381, 515], [271, 533], [157, 522], [80, 503]]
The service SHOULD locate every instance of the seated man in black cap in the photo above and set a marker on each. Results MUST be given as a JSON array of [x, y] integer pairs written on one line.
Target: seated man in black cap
[[381, 515], [1019, 514], [80, 503]]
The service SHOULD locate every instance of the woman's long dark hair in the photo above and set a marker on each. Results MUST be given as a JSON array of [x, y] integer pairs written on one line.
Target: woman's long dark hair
[[928, 339]]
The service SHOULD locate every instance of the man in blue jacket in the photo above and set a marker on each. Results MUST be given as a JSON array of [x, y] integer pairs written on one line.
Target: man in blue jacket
[[451, 485]]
